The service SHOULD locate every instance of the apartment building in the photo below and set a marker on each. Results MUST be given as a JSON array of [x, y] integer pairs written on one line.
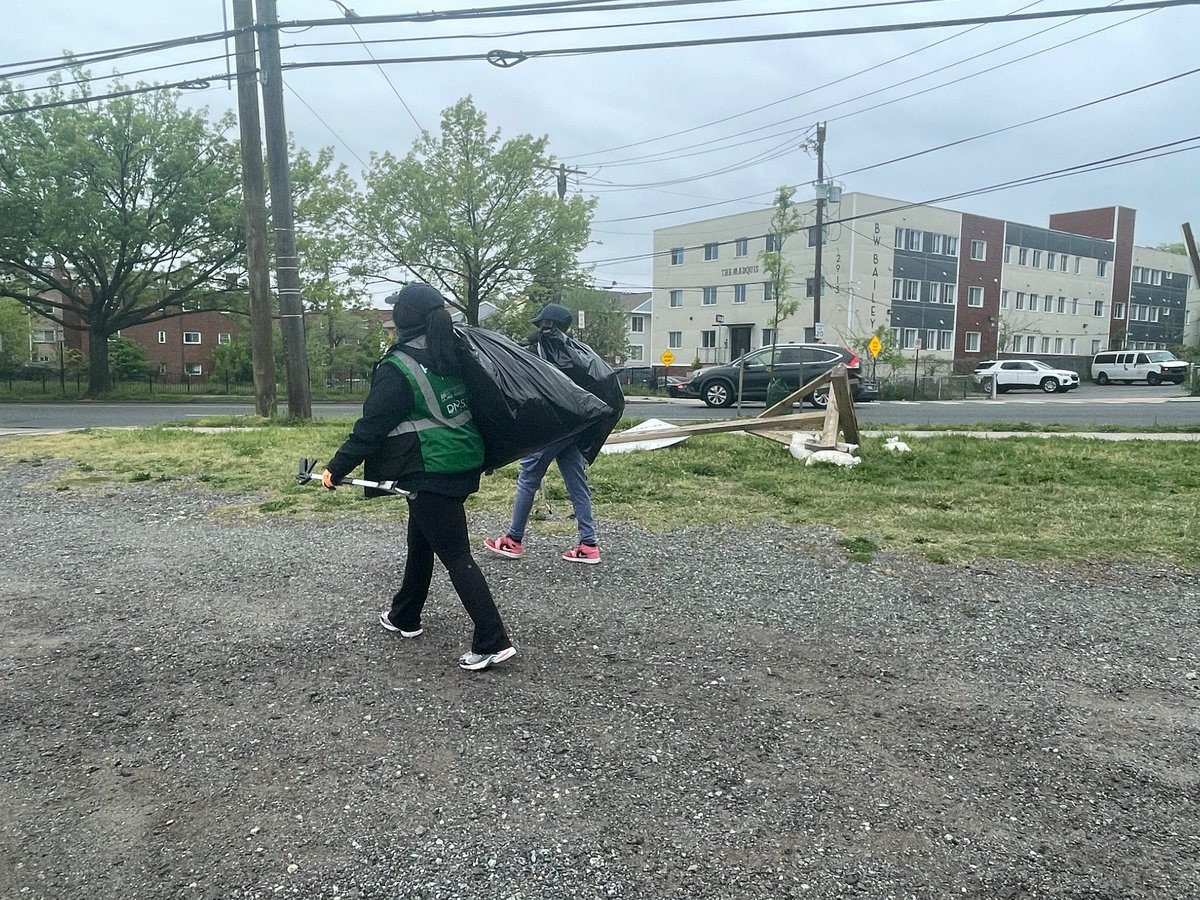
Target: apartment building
[[953, 287]]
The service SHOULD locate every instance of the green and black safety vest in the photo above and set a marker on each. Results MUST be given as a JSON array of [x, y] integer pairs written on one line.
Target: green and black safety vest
[[441, 418]]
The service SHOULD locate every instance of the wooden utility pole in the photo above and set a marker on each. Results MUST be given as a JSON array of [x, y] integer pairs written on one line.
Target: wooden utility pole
[[822, 194], [287, 264], [254, 199], [562, 197], [1190, 242]]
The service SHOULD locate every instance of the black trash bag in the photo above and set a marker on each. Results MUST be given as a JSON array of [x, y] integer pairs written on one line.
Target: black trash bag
[[586, 368], [520, 402]]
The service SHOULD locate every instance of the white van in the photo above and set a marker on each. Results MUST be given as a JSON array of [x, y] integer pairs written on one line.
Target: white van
[[1128, 366]]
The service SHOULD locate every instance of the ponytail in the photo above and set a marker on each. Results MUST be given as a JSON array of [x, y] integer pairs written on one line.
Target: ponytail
[[442, 342]]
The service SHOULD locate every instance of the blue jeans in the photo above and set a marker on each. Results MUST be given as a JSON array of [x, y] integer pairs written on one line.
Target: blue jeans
[[572, 466]]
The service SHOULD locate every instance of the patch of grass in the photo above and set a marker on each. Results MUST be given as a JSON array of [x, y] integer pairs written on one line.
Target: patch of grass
[[859, 549], [952, 498]]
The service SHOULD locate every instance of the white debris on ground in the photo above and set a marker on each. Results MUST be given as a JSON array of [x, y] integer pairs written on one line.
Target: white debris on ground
[[896, 445], [800, 450], [835, 457]]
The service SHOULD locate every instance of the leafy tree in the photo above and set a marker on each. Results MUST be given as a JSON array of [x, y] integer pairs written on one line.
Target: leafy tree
[[785, 222], [234, 361], [331, 282], [1175, 247], [14, 335], [115, 212], [127, 359], [477, 218], [604, 322]]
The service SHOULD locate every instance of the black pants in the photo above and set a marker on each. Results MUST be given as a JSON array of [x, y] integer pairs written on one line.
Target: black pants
[[437, 524]]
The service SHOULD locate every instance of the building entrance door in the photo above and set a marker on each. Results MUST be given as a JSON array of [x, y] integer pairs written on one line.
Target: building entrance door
[[739, 340]]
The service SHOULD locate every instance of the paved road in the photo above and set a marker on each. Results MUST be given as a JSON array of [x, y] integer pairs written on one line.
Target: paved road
[[1089, 407]]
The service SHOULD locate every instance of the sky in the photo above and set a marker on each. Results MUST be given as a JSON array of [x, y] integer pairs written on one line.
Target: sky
[[670, 135]]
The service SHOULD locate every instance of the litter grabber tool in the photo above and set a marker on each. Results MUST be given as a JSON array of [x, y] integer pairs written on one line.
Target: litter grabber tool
[[305, 475]]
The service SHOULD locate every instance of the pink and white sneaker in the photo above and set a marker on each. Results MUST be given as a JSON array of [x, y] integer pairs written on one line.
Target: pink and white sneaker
[[584, 553]]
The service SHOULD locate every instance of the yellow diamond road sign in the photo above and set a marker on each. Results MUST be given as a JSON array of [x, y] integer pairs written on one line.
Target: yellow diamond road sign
[[875, 346], [667, 358]]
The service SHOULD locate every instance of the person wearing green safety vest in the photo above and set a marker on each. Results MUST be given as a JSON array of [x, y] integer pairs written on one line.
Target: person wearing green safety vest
[[416, 430]]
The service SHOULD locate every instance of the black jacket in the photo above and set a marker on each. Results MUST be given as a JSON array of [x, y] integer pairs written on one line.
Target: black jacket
[[390, 402]]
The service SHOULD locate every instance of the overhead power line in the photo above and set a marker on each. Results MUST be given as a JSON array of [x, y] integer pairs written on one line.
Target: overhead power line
[[508, 58], [1145, 154]]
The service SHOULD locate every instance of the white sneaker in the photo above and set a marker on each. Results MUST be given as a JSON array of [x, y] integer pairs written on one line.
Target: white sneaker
[[388, 626], [473, 662]]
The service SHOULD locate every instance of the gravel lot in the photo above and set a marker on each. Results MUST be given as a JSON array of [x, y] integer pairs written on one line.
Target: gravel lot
[[200, 705]]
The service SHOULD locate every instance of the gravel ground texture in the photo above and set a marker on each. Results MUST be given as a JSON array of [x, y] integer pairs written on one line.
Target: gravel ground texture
[[199, 704]]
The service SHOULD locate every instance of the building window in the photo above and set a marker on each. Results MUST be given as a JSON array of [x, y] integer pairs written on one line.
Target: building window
[[1098, 309], [1047, 303], [1045, 344], [708, 339], [1030, 343], [637, 324], [1004, 299], [1023, 256], [162, 368], [768, 337], [162, 337], [768, 292], [1062, 304], [1074, 306], [1095, 346], [739, 293], [223, 337], [193, 369], [979, 250], [741, 247], [897, 288], [912, 290], [1050, 261], [812, 235], [948, 293], [972, 342], [676, 299], [1036, 262], [1118, 310], [675, 340], [1062, 263], [810, 287], [191, 337], [773, 243], [945, 340], [677, 256], [1058, 345], [974, 296], [1020, 299], [1008, 253], [709, 296], [635, 353], [908, 339], [711, 252], [951, 245], [914, 239], [1101, 268], [1016, 343], [1071, 351]]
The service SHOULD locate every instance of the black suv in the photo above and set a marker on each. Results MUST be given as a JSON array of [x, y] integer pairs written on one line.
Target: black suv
[[796, 364]]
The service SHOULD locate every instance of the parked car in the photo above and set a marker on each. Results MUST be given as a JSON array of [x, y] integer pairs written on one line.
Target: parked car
[[795, 364], [1013, 374], [1128, 366]]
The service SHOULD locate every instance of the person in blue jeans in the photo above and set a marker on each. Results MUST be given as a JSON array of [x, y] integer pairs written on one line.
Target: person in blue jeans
[[571, 464]]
